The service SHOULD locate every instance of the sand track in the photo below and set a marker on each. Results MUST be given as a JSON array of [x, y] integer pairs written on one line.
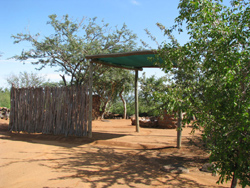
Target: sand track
[[116, 156]]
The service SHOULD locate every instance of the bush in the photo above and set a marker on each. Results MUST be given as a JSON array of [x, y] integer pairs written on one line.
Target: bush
[[117, 108], [4, 97]]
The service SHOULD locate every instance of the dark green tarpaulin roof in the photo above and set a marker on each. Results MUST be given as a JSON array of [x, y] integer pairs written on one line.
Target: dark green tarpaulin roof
[[129, 60]]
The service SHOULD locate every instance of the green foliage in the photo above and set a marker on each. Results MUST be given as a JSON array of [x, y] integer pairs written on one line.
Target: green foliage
[[148, 101], [71, 41], [117, 106], [213, 79], [4, 97], [113, 84]]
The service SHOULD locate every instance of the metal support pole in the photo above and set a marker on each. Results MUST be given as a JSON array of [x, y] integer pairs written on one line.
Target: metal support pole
[[136, 103], [90, 99]]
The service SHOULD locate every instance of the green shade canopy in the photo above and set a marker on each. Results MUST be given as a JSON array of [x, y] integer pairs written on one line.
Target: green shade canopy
[[129, 60]]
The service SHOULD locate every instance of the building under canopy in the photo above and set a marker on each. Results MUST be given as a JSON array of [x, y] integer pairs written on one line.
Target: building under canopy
[[136, 61]]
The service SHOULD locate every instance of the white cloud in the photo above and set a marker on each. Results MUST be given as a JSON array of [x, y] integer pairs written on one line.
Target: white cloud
[[8, 61], [12, 60], [134, 2], [55, 77], [3, 83], [10, 67]]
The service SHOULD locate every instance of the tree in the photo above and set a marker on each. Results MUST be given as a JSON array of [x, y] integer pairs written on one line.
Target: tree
[[218, 92], [4, 97], [112, 84], [71, 41], [149, 86], [25, 79], [117, 106], [125, 86]]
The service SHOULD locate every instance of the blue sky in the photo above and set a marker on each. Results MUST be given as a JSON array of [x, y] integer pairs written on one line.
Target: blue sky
[[31, 16]]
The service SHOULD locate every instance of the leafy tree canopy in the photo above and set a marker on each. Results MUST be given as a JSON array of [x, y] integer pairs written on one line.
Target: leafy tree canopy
[[114, 83], [213, 79], [71, 41], [149, 103]]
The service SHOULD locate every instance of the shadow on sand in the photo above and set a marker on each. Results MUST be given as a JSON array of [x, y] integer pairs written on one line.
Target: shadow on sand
[[98, 166], [57, 140], [106, 167]]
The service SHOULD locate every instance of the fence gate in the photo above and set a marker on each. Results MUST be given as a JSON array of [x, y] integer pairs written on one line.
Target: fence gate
[[50, 110]]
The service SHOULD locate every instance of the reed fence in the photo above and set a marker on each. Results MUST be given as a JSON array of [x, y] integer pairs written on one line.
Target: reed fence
[[50, 110]]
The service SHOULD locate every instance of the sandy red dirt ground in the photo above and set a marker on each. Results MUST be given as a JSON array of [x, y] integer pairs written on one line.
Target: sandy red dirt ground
[[116, 156]]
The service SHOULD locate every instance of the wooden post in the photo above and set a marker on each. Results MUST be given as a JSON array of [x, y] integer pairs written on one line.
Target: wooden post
[[90, 99], [179, 129], [136, 102], [234, 181]]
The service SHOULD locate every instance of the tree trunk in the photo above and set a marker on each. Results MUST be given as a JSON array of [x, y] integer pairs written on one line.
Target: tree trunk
[[104, 109], [110, 94], [234, 181], [124, 103], [64, 80]]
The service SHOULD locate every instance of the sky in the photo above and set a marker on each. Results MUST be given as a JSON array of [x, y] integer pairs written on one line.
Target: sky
[[22, 16]]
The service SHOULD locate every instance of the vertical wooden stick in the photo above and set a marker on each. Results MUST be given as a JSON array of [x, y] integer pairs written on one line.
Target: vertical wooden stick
[[136, 103], [179, 129], [90, 100]]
